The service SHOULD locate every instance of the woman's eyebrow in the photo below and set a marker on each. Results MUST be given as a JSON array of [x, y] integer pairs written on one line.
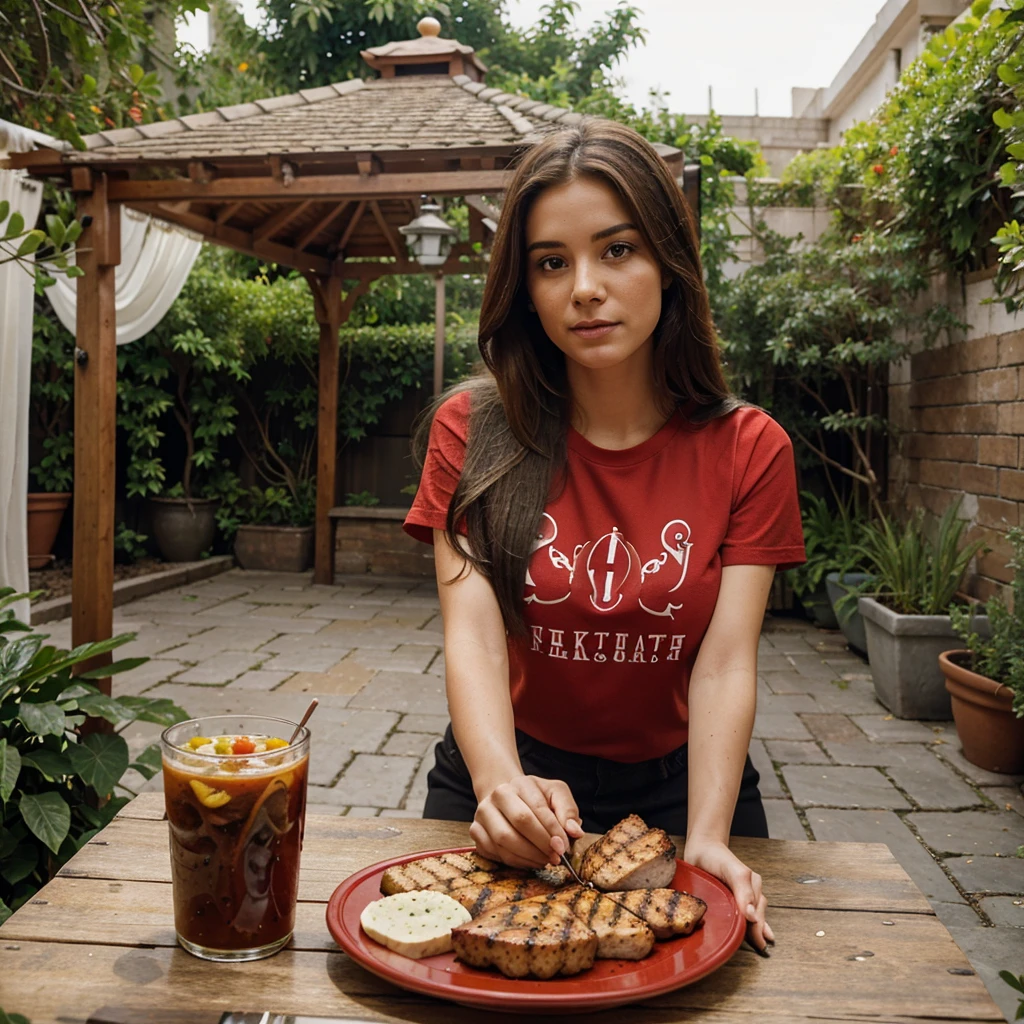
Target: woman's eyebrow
[[594, 238]]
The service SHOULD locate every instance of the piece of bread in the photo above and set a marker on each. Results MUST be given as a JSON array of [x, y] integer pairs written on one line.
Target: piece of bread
[[414, 924]]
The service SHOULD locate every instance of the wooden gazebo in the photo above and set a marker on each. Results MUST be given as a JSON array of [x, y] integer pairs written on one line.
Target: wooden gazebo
[[318, 180]]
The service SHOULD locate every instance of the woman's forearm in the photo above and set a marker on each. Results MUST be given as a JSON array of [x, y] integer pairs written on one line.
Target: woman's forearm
[[481, 713], [722, 706]]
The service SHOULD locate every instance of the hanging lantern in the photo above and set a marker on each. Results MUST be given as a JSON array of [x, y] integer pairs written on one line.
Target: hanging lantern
[[429, 237]]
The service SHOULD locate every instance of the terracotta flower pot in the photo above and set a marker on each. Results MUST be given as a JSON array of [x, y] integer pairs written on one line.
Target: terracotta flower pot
[[991, 734], [274, 548], [45, 512]]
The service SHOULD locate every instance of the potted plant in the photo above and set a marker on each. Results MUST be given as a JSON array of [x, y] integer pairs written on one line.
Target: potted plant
[[56, 783], [905, 608], [197, 367], [986, 681], [50, 429], [830, 539], [275, 528]]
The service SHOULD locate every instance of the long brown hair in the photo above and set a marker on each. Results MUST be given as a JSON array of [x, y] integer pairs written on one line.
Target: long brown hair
[[520, 411]]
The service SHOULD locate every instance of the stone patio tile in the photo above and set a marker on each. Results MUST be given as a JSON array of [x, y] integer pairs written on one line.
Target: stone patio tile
[[297, 599], [435, 623], [151, 640], [374, 780], [390, 812], [887, 729], [1006, 798], [956, 915], [408, 619], [273, 612], [327, 810], [266, 578], [156, 670], [773, 661], [779, 725], [327, 796], [407, 692], [783, 682], [988, 874], [319, 683], [362, 812], [313, 659], [358, 634], [259, 679], [1004, 910], [829, 786], [418, 789], [289, 625], [769, 784], [236, 611], [404, 658], [991, 950], [783, 822], [970, 832], [771, 702], [200, 701], [854, 700], [796, 752], [414, 806], [834, 826], [832, 728], [436, 667], [933, 786], [289, 643], [788, 641], [882, 755], [434, 724], [243, 636], [811, 665], [349, 611], [195, 650], [178, 599], [333, 743], [409, 744], [221, 668], [952, 753]]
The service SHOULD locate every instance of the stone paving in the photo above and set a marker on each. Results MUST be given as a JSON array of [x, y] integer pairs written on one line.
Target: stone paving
[[834, 765]]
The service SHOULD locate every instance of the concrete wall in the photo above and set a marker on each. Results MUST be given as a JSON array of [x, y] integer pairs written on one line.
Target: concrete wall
[[781, 138], [958, 414]]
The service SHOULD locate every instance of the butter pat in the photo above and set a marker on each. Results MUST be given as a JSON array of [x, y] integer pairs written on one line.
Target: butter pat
[[414, 924]]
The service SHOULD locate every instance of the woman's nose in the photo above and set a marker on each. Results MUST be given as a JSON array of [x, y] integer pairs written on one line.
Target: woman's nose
[[587, 284]]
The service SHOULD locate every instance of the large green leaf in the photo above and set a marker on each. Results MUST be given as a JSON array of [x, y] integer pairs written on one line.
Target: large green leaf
[[99, 705], [19, 864], [160, 710], [76, 690], [43, 719], [17, 655], [10, 767], [115, 667], [5, 912], [49, 762], [47, 817], [149, 762], [100, 759]]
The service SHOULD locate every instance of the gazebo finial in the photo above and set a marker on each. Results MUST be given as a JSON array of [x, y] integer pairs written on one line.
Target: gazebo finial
[[429, 26]]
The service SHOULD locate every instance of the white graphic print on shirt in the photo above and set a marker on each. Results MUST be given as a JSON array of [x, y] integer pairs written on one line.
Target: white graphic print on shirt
[[609, 570]]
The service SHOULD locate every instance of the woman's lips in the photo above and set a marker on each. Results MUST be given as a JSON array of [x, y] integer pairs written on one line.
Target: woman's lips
[[597, 331]]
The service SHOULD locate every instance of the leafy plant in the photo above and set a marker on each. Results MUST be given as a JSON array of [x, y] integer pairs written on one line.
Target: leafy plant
[[1016, 982], [57, 784], [51, 396], [831, 540], [366, 499], [1000, 656], [129, 545], [912, 573], [276, 506], [39, 251]]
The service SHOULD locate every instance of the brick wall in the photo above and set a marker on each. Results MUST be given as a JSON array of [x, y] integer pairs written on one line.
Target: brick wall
[[959, 416], [371, 540]]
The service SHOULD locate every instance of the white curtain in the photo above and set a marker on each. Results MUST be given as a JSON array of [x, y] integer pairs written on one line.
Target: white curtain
[[16, 296], [156, 259]]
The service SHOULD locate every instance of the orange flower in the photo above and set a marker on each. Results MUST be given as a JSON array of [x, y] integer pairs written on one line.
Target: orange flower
[[95, 109], [244, 66], [856, 238], [894, 150], [879, 169], [135, 114]]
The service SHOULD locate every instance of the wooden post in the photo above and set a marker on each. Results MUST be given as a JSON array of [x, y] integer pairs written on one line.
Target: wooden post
[[92, 588], [439, 318]]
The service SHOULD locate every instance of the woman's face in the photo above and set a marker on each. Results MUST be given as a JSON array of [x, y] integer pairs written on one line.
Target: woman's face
[[594, 281]]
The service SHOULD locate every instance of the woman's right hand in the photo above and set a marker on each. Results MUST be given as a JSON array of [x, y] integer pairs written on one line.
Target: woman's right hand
[[526, 822]]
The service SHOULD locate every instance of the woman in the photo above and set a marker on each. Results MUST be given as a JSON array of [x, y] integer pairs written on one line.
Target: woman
[[606, 521]]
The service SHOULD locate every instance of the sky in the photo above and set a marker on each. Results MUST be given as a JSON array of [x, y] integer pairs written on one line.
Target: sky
[[735, 48]]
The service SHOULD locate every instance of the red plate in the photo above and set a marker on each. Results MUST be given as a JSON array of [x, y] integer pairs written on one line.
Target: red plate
[[671, 964]]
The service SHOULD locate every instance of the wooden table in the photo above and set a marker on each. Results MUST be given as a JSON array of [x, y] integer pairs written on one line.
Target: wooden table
[[101, 935]]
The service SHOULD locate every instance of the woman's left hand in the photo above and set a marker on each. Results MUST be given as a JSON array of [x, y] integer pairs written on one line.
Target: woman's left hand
[[717, 859]]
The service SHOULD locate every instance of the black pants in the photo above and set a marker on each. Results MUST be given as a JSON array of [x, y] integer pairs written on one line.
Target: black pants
[[605, 791]]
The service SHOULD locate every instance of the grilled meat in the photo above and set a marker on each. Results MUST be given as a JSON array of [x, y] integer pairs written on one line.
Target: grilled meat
[[524, 939], [620, 934], [480, 897], [440, 873], [668, 912], [630, 856]]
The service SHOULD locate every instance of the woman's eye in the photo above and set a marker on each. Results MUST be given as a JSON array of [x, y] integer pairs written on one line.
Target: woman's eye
[[551, 263], [618, 249]]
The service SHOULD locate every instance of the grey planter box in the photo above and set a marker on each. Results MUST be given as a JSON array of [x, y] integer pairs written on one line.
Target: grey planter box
[[903, 651], [849, 619]]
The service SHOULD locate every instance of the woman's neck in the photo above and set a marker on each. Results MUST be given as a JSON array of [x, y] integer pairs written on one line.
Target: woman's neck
[[618, 407]]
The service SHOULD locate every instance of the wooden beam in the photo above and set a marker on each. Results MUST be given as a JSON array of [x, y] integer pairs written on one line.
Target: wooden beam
[[330, 186], [321, 225], [357, 213], [92, 586], [226, 212], [201, 173], [394, 239], [280, 220], [331, 312]]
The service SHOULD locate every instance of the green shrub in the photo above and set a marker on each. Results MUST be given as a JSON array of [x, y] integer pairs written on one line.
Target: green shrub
[[56, 786], [1000, 656], [831, 541]]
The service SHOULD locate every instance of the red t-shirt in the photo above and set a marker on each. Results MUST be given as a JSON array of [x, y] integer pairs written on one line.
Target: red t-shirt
[[626, 569]]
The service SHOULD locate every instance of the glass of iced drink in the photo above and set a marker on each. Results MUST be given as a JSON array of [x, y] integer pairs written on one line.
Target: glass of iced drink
[[235, 790]]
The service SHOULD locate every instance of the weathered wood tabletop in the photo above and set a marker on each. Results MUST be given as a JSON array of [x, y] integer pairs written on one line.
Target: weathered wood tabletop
[[100, 936]]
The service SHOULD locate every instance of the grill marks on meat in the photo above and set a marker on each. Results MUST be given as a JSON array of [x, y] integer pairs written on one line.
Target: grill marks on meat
[[479, 898], [445, 872], [630, 856], [527, 939], [668, 912], [620, 934]]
